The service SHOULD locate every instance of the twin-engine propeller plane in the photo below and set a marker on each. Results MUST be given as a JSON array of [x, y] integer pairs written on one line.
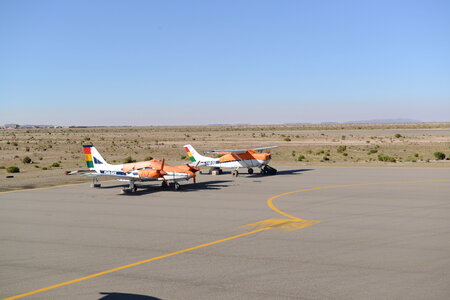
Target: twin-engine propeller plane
[[152, 170], [234, 159]]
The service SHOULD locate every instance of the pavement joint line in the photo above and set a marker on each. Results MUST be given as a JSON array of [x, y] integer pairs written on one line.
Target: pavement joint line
[[43, 188], [269, 203], [49, 187], [380, 167]]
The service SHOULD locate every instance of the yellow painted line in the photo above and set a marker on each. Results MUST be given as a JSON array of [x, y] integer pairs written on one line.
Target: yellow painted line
[[134, 264], [274, 208], [282, 224], [272, 223]]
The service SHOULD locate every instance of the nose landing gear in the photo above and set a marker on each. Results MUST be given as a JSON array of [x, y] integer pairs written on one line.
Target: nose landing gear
[[268, 170], [215, 171]]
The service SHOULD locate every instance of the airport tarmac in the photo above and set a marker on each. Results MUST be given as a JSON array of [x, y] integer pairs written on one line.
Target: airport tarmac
[[313, 233]]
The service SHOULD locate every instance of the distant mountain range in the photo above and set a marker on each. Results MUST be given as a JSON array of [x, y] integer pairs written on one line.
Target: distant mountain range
[[384, 121], [374, 121]]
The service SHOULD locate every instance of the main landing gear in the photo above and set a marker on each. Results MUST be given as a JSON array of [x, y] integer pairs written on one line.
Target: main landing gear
[[131, 189], [268, 170], [95, 183], [176, 185], [235, 173], [250, 171], [215, 171]]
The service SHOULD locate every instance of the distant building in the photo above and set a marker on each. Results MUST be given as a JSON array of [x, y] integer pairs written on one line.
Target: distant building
[[11, 126]]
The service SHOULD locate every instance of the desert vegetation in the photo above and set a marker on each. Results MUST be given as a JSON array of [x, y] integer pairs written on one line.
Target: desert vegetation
[[49, 152]]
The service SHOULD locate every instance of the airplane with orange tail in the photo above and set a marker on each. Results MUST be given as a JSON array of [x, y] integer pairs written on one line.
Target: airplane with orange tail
[[151, 170], [234, 159]]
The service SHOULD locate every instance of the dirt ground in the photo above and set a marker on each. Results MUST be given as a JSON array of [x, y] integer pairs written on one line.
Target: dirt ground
[[55, 151]]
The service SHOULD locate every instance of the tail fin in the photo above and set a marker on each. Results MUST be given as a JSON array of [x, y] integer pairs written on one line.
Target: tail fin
[[194, 156], [93, 157]]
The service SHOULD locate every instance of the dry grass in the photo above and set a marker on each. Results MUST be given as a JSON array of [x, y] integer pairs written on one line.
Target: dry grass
[[317, 143]]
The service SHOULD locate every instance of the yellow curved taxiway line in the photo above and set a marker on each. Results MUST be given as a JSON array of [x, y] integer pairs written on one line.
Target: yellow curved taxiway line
[[269, 203], [274, 208]]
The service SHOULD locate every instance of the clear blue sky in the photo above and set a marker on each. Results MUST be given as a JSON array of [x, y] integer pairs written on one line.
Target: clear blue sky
[[202, 62]]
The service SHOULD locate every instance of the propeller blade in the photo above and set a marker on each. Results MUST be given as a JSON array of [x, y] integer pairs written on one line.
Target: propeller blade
[[162, 165], [191, 168]]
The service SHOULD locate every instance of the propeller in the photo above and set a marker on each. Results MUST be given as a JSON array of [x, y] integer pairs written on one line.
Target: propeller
[[161, 172], [194, 170]]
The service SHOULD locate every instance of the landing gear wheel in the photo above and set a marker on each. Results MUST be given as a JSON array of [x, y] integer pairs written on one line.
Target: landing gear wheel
[[250, 171], [268, 170], [126, 191], [164, 185], [235, 173], [176, 186], [134, 189], [95, 183], [215, 171]]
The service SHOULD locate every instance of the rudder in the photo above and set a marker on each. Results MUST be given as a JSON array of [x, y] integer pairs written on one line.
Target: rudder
[[93, 157]]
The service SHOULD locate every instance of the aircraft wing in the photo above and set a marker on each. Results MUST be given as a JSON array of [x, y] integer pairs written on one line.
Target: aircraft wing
[[156, 164], [265, 148], [226, 151], [239, 151], [94, 174]]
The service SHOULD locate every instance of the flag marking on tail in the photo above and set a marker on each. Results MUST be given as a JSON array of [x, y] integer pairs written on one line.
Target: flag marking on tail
[[191, 157], [88, 156]]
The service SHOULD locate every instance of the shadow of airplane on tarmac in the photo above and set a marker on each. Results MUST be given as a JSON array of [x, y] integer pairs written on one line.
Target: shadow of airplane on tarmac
[[292, 172], [282, 172], [205, 185], [188, 187], [125, 296]]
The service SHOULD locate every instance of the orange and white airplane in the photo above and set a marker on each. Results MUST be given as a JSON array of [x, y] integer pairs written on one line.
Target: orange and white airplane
[[234, 159], [152, 170]]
